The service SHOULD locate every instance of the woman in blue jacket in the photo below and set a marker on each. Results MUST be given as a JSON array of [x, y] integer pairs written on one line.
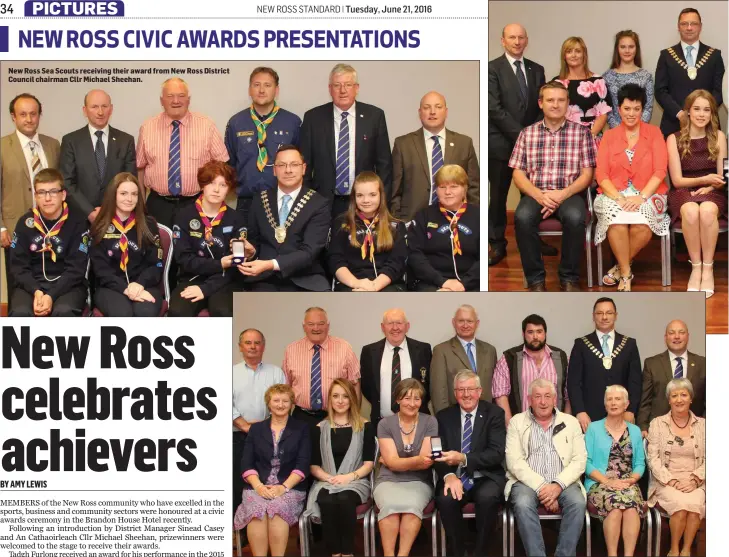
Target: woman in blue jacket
[[615, 463]]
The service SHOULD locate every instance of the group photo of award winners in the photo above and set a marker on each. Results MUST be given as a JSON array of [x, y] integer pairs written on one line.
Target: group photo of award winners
[[487, 424], [213, 187], [611, 133]]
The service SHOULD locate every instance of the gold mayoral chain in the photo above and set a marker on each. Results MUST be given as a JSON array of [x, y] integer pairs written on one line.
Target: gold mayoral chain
[[691, 71], [607, 361], [279, 232]]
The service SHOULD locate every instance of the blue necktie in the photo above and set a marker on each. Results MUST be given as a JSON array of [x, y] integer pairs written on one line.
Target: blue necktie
[[521, 79], [469, 352], [100, 154], [605, 348], [436, 166], [465, 449], [174, 176], [284, 213], [678, 374], [315, 392], [690, 56], [342, 181]]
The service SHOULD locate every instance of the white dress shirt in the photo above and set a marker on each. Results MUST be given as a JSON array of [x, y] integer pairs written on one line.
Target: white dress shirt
[[279, 203], [104, 137], [25, 145], [610, 342], [352, 122], [464, 343], [674, 362], [406, 372]]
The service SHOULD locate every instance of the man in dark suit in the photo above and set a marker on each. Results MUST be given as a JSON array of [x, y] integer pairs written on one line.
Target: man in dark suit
[[513, 89], [603, 358], [94, 154], [383, 364], [417, 157], [662, 368], [473, 435], [342, 138], [685, 67], [288, 228]]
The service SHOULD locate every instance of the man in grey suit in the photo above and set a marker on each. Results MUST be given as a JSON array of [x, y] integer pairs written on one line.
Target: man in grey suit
[[94, 154], [675, 363], [513, 90], [23, 153], [416, 158], [463, 351]]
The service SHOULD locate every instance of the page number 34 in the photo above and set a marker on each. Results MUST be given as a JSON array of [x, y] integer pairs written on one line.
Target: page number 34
[[6, 9]]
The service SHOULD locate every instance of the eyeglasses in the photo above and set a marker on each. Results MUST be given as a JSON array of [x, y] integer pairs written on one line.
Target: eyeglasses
[[685, 24], [467, 390], [345, 86], [291, 165], [48, 193], [602, 314]]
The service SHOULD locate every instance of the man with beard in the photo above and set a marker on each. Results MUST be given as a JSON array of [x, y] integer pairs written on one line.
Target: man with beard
[[521, 365]]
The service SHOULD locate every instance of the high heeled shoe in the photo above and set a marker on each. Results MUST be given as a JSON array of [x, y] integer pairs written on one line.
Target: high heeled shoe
[[709, 291], [698, 286]]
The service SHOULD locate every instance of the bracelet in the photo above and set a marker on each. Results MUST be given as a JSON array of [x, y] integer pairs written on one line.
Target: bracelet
[[286, 488]]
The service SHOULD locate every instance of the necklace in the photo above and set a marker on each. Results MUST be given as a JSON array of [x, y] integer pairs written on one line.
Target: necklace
[[407, 432], [681, 426], [342, 425]]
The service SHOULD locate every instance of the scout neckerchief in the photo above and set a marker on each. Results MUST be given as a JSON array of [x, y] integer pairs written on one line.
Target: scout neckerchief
[[123, 241], [453, 223], [261, 129], [369, 239], [48, 234], [207, 222]]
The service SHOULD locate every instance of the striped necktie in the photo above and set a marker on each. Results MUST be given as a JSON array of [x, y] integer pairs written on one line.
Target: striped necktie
[[436, 166], [396, 377], [315, 393], [465, 449], [36, 165], [100, 154], [342, 182], [174, 175], [678, 374]]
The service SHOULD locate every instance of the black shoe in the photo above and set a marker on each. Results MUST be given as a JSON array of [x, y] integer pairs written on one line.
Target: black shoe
[[496, 256], [547, 249], [537, 287], [566, 286]]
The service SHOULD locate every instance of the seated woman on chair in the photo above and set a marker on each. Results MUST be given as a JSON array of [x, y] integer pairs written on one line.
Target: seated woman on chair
[[615, 463], [444, 238], [202, 234], [342, 455], [677, 461], [404, 484], [126, 253], [630, 173], [367, 251], [696, 156]]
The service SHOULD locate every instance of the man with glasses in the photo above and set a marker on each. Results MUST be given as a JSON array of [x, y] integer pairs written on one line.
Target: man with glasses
[[685, 67], [417, 156], [342, 138], [519, 366], [48, 254], [388, 361], [287, 230], [463, 351], [253, 136], [601, 358], [470, 470], [23, 153]]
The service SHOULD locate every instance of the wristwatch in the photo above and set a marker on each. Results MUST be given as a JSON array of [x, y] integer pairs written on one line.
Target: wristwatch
[[286, 488]]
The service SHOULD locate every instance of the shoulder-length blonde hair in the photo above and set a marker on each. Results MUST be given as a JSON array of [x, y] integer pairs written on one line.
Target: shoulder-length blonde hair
[[384, 238], [684, 137], [355, 418], [570, 43]]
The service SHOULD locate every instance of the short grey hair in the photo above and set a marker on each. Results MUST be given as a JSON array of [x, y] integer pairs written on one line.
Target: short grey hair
[[541, 383], [343, 69], [466, 307], [616, 389], [178, 79], [676, 384], [465, 375]]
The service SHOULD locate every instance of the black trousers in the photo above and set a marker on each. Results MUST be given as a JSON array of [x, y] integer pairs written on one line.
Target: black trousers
[[219, 304], [275, 284], [486, 494], [70, 304], [165, 209], [115, 304], [239, 443], [392, 287], [499, 183], [243, 206], [339, 520]]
